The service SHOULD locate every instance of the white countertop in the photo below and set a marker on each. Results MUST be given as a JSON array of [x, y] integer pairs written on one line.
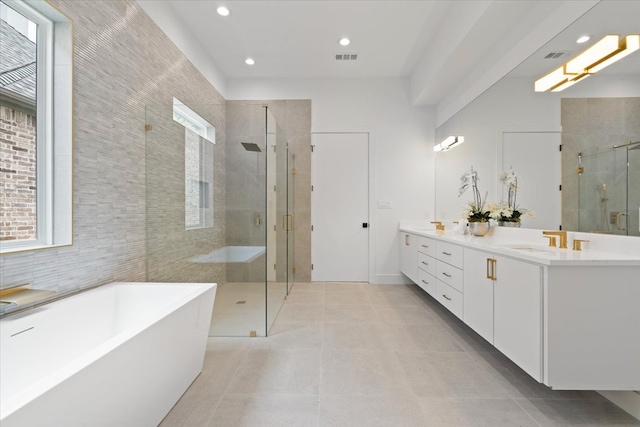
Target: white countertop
[[530, 249]]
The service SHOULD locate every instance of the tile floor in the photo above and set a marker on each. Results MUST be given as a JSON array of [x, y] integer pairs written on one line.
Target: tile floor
[[351, 354], [231, 319]]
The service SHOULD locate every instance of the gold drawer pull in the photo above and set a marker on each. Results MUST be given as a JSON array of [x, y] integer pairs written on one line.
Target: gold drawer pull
[[425, 263], [446, 253], [425, 246], [445, 274], [446, 297], [426, 283]]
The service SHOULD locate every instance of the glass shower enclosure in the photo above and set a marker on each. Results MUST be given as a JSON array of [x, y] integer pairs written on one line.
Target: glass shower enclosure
[[609, 194], [220, 208]]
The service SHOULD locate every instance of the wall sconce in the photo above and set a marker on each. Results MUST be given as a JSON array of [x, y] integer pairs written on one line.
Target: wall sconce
[[602, 54], [449, 143]]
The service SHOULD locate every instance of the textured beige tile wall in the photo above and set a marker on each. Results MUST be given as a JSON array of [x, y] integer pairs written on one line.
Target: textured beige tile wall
[[245, 122], [175, 254], [294, 119], [593, 126], [246, 191], [122, 63]]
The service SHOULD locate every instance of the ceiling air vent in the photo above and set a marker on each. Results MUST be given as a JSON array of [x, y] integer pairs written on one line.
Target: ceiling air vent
[[346, 56], [554, 55]]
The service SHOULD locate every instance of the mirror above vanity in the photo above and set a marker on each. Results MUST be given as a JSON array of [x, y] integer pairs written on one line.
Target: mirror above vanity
[[589, 185]]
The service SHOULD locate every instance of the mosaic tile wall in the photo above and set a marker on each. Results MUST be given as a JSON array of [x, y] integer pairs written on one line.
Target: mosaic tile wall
[[294, 120], [122, 63]]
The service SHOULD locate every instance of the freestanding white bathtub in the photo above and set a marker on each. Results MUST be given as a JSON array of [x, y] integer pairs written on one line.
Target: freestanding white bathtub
[[119, 355]]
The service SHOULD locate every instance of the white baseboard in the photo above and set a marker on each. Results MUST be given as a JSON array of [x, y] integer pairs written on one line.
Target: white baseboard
[[391, 279], [627, 400]]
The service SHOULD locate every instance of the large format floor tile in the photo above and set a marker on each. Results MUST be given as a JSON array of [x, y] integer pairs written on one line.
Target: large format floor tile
[[354, 355], [265, 411]]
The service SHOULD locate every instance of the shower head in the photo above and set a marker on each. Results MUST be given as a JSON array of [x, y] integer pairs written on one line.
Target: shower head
[[250, 146]]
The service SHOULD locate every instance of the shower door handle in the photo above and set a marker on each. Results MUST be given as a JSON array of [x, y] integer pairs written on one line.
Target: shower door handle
[[620, 215], [287, 221]]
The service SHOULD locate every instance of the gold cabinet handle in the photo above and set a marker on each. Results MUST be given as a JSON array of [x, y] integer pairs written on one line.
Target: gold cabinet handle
[[447, 275], [406, 240], [446, 297], [620, 215], [425, 263], [447, 253], [489, 263], [425, 282], [493, 269], [425, 246]]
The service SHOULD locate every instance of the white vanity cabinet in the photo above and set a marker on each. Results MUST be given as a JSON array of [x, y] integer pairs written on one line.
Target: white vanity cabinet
[[503, 303], [409, 255], [450, 287], [427, 266], [570, 319]]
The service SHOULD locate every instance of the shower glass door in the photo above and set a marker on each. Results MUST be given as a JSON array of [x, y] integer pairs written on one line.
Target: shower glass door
[[608, 200], [213, 203]]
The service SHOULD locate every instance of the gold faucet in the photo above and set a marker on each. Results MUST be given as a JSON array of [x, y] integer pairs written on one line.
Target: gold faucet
[[577, 244], [561, 234], [439, 225]]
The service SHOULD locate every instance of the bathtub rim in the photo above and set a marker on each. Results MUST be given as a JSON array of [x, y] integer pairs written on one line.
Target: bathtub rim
[[21, 398]]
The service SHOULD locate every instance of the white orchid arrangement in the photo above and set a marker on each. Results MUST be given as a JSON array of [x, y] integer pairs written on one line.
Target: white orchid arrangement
[[509, 211], [476, 210]]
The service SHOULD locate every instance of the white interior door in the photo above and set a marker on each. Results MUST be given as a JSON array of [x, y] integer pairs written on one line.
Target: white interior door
[[538, 186], [340, 207]]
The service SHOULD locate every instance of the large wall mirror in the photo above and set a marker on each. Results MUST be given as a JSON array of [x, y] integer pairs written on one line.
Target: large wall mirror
[[593, 184]]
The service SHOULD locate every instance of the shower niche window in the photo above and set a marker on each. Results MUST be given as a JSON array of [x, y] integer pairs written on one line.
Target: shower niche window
[[199, 137]]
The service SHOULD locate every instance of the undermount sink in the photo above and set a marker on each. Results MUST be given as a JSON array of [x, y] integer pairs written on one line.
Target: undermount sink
[[527, 248]]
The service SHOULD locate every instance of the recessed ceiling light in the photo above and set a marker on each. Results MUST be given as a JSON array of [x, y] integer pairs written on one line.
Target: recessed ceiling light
[[249, 61], [222, 11], [344, 41], [583, 39]]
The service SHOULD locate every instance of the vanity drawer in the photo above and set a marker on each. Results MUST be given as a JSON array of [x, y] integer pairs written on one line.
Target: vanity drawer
[[427, 246], [451, 254], [426, 263], [450, 298], [450, 275], [427, 282]]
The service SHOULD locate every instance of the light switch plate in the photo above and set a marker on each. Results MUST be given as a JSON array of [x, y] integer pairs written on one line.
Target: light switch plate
[[384, 204]]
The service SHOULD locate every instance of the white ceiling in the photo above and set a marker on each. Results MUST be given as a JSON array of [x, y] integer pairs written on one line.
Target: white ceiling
[[445, 48]]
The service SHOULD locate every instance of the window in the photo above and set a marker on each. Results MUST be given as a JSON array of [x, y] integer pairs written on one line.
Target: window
[[35, 207], [199, 137]]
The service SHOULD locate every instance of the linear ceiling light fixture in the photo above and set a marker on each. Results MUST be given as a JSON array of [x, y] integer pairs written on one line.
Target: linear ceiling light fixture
[[449, 143], [608, 50]]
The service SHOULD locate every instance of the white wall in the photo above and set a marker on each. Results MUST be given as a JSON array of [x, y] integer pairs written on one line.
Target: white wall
[[401, 147]]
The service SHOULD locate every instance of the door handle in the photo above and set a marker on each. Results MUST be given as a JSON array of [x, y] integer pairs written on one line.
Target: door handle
[[287, 221], [620, 215]]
